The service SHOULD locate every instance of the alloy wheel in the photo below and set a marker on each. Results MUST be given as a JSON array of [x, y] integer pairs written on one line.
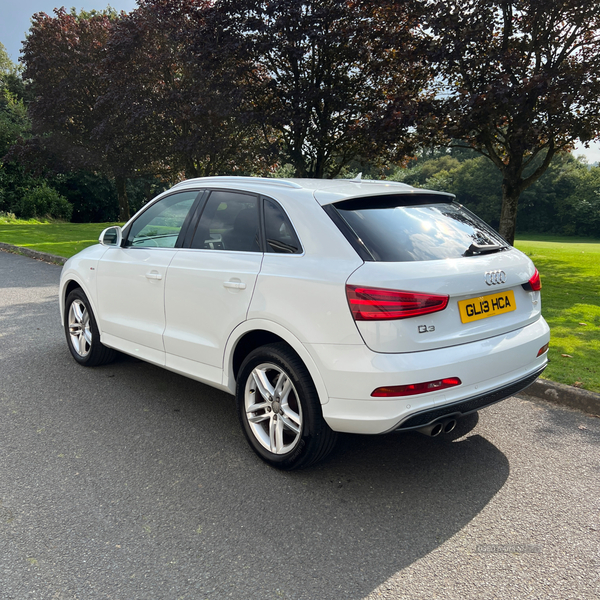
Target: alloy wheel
[[80, 333], [272, 408]]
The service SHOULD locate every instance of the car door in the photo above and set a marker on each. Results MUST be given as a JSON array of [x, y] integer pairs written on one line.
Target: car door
[[210, 284], [131, 278]]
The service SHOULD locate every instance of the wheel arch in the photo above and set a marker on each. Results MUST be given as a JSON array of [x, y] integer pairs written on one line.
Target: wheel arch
[[258, 332], [69, 283]]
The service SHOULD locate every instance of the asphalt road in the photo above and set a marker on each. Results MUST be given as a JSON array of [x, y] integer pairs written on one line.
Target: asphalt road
[[129, 482]]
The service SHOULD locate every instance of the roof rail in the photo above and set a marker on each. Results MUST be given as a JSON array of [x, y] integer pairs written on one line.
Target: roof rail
[[242, 179]]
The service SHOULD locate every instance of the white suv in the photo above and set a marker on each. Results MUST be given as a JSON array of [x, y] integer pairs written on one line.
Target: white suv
[[324, 305]]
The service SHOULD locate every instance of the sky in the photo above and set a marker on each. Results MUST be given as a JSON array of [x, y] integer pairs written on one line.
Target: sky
[[15, 18]]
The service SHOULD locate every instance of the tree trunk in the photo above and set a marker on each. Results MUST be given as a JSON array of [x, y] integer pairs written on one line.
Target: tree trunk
[[120, 183], [511, 192], [191, 171]]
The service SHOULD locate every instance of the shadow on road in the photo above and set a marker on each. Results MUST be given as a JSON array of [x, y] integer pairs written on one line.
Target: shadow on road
[[167, 464]]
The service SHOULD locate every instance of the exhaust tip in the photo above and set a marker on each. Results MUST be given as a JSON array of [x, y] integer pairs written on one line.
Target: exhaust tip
[[449, 425], [432, 430], [436, 429]]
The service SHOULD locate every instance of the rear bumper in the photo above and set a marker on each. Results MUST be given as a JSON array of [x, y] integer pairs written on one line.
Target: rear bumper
[[468, 406], [490, 370]]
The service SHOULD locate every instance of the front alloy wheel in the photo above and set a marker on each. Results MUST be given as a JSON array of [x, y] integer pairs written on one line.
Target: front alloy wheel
[[81, 331], [279, 409]]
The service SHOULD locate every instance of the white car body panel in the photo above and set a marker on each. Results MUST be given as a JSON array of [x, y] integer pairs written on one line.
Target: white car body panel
[[355, 371], [82, 269], [301, 350], [207, 297], [459, 279], [130, 296], [306, 296]]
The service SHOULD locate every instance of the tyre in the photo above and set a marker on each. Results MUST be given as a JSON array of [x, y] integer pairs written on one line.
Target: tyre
[[81, 330], [279, 409]]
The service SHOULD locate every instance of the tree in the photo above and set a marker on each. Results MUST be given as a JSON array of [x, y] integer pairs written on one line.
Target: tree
[[13, 113], [63, 57], [518, 81], [13, 120], [579, 214], [180, 97], [6, 65], [324, 76], [555, 203], [14, 125]]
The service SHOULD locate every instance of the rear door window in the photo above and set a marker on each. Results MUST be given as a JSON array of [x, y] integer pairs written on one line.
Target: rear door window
[[393, 231], [229, 221]]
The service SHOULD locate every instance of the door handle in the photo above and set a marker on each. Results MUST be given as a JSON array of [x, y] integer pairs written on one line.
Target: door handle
[[153, 275], [235, 285]]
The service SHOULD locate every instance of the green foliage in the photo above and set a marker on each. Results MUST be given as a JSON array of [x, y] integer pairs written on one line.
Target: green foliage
[[14, 122], [44, 201], [7, 217], [476, 183], [83, 14], [580, 212], [92, 196], [6, 65], [14, 181], [564, 200], [284, 171]]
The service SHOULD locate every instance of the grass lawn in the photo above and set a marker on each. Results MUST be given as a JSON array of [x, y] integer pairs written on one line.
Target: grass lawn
[[61, 239], [569, 267], [570, 272]]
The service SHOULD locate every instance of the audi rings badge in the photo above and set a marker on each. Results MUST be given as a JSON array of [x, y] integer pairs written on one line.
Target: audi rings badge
[[495, 277]]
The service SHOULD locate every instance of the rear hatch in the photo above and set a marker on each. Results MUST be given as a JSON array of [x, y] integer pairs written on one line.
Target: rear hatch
[[434, 275]]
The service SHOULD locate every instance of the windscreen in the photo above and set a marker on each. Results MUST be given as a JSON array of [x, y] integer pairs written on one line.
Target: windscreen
[[393, 232]]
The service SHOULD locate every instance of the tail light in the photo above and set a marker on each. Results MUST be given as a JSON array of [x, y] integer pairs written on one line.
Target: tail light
[[534, 284], [415, 388], [376, 304]]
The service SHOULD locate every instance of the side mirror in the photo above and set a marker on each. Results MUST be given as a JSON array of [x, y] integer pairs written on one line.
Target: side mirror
[[111, 236]]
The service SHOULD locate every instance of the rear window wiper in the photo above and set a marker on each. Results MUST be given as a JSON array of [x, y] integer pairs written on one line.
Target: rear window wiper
[[485, 249]]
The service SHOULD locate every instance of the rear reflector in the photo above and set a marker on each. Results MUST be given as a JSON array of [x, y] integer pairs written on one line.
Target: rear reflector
[[543, 349], [415, 388], [534, 284], [376, 304]]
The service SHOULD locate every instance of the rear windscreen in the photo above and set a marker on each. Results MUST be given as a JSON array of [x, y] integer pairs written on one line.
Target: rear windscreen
[[427, 231]]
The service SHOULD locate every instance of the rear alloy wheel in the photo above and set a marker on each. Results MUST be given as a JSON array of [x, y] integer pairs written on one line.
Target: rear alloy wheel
[[83, 337], [279, 409]]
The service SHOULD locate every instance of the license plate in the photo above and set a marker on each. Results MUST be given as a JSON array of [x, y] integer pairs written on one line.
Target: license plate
[[487, 306]]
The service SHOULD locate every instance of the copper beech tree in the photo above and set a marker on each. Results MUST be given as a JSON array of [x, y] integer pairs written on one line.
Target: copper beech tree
[[181, 92], [64, 60], [517, 81], [328, 74]]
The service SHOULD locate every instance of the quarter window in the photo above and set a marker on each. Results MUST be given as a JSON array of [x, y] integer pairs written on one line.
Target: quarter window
[[159, 226], [280, 234]]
